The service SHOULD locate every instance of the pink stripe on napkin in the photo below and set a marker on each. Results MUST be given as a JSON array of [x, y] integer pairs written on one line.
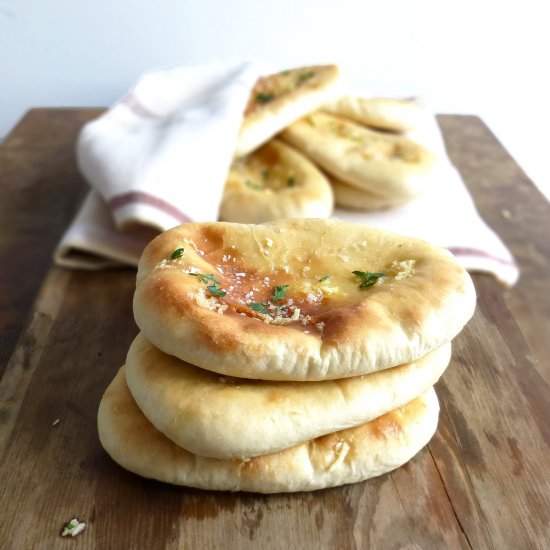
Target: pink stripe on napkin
[[133, 197]]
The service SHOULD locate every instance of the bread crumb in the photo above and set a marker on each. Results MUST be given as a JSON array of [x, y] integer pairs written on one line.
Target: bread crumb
[[320, 326], [73, 528]]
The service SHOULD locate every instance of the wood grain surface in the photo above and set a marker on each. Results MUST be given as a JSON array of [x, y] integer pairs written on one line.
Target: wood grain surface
[[482, 482]]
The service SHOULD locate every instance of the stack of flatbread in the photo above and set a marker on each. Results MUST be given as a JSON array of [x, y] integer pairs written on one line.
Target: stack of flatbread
[[303, 146], [286, 356]]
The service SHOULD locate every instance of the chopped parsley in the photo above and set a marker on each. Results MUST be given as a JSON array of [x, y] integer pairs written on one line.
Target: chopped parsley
[[208, 279], [205, 277], [262, 97], [325, 279], [368, 278], [216, 290], [279, 292], [290, 182], [259, 306], [178, 253], [253, 185]]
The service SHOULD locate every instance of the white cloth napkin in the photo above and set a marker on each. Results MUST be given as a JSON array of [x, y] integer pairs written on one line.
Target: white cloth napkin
[[160, 156]]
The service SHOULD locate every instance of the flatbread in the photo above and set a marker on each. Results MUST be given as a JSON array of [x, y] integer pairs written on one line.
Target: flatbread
[[354, 198], [225, 417], [384, 164], [200, 306], [385, 113], [347, 456], [272, 183], [279, 99]]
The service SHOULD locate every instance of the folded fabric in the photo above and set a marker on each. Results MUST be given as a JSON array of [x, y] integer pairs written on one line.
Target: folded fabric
[[161, 155]]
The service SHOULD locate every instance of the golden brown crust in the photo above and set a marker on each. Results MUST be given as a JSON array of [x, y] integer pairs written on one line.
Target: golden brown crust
[[227, 417], [386, 165], [279, 99], [321, 329], [272, 183], [347, 456]]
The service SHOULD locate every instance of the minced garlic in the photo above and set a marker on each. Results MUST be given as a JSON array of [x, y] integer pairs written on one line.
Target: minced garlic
[[208, 303], [403, 269]]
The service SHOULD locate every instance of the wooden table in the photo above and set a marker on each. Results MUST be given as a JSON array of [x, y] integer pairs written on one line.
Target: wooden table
[[482, 482]]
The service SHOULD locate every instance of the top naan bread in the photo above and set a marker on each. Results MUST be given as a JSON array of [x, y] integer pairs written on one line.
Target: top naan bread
[[385, 113], [280, 301], [279, 99]]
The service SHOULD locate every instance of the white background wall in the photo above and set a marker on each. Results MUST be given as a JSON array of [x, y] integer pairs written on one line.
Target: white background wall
[[490, 58]]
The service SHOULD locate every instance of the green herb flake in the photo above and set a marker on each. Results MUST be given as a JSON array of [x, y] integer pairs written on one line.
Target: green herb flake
[[178, 253], [290, 182], [216, 290], [265, 174], [325, 279], [279, 292], [212, 284], [368, 278], [259, 306], [305, 76], [262, 97], [253, 185], [205, 278]]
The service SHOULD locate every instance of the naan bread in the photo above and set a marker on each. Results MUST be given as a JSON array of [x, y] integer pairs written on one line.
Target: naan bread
[[224, 304], [397, 115], [354, 198], [347, 456], [384, 164], [224, 417], [279, 99], [272, 183]]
